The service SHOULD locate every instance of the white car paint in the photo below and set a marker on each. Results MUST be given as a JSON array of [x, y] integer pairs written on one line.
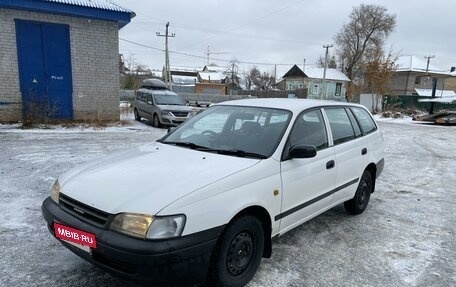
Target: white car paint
[[210, 189]]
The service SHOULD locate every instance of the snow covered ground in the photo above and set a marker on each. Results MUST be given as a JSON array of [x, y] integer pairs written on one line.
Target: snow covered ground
[[406, 237]]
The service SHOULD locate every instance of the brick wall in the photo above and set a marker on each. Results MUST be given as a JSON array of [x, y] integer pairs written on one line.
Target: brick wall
[[94, 60], [403, 83]]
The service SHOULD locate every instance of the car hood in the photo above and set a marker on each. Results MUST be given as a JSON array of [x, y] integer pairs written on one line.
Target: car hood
[[148, 178], [175, 108]]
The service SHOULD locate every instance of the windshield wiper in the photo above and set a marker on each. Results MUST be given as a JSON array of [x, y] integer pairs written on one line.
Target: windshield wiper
[[235, 152], [190, 145], [241, 153]]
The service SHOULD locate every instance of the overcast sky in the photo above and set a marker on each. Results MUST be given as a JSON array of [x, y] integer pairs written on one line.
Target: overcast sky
[[268, 32]]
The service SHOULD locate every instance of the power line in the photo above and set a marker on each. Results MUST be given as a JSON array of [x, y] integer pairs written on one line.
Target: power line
[[215, 59]]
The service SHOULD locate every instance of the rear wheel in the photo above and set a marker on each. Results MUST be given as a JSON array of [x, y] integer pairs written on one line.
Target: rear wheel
[[156, 121], [137, 117], [238, 253], [359, 202]]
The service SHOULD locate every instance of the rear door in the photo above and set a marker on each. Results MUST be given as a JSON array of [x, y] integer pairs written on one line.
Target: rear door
[[308, 183], [349, 151]]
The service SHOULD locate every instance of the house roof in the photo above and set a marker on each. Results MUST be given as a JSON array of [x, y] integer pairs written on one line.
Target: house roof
[[213, 68], [331, 74], [438, 93], [184, 80], [316, 73], [213, 76], [105, 10], [416, 64]]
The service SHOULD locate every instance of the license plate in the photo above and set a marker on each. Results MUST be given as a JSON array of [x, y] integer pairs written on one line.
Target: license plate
[[80, 239]]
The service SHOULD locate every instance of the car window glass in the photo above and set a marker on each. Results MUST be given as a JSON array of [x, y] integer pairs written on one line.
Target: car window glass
[[341, 128], [149, 100], [309, 129], [138, 95], [365, 120], [354, 123], [143, 97], [234, 128], [168, 99]]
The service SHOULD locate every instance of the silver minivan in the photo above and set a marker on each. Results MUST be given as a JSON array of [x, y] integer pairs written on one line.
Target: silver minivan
[[159, 105]]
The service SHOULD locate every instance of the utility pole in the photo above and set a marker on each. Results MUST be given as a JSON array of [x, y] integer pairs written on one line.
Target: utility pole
[[324, 70], [168, 69], [304, 77], [428, 61], [208, 53]]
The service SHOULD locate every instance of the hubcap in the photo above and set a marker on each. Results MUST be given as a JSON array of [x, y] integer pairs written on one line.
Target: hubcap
[[362, 194], [240, 253]]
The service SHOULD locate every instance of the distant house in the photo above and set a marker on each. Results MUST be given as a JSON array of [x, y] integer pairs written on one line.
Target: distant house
[[312, 80], [413, 77], [61, 56], [212, 80], [450, 83]]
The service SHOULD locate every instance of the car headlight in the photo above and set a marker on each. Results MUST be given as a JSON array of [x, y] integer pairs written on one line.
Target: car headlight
[[166, 113], [55, 192], [166, 227], [132, 224], [148, 227]]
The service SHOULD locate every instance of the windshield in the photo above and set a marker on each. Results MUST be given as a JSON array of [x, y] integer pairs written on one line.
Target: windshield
[[168, 100], [233, 130]]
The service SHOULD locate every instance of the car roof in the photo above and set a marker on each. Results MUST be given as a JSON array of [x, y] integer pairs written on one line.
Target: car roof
[[294, 105]]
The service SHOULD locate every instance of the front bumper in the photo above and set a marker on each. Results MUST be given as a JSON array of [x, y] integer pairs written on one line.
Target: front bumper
[[172, 120], [184, 259]]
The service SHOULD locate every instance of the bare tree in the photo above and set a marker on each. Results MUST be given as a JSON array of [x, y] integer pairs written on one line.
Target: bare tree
[[332, 62], [365, 33], [233, 72], [377, 72], [254, 79]]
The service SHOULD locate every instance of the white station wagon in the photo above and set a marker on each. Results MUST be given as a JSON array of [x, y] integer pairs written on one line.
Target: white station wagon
[[202, 203]]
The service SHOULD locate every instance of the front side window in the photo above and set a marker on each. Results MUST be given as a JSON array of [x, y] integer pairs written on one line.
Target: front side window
[[233, 130], [364, 119], [309, 129], [341, 128]]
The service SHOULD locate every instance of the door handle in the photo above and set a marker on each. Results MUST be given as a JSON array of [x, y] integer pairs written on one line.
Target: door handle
[[364, 151], [330, 164]]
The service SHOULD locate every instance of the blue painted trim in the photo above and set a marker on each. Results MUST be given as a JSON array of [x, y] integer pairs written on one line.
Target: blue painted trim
[[122, 18]]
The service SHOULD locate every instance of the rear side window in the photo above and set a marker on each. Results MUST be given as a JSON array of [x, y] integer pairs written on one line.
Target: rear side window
[[340, 124], [365, 120]]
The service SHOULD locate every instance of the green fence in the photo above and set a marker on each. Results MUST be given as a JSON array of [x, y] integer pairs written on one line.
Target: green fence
[[405, 102]]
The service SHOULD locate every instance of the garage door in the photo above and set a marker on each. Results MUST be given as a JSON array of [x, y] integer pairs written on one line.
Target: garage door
[[45, 68]]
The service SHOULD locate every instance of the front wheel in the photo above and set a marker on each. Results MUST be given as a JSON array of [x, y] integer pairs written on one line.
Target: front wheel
[[359, 202], [238, 253], [156, 121], [137, 117]]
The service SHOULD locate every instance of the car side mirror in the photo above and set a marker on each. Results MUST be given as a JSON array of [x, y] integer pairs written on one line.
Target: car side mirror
[[302, 151]]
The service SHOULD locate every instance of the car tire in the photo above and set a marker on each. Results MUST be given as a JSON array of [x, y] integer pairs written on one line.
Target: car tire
[[238, 253], [137, 117], [359, 202], [156, 122]]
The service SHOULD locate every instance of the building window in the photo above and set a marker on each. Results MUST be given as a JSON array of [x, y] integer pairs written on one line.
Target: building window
[[338, 89], [290, 86], [418, 80], [301, 86], [315, 89]]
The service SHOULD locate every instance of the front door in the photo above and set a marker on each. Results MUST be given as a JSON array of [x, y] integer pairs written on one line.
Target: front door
[[45, 69], [307, 183]]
